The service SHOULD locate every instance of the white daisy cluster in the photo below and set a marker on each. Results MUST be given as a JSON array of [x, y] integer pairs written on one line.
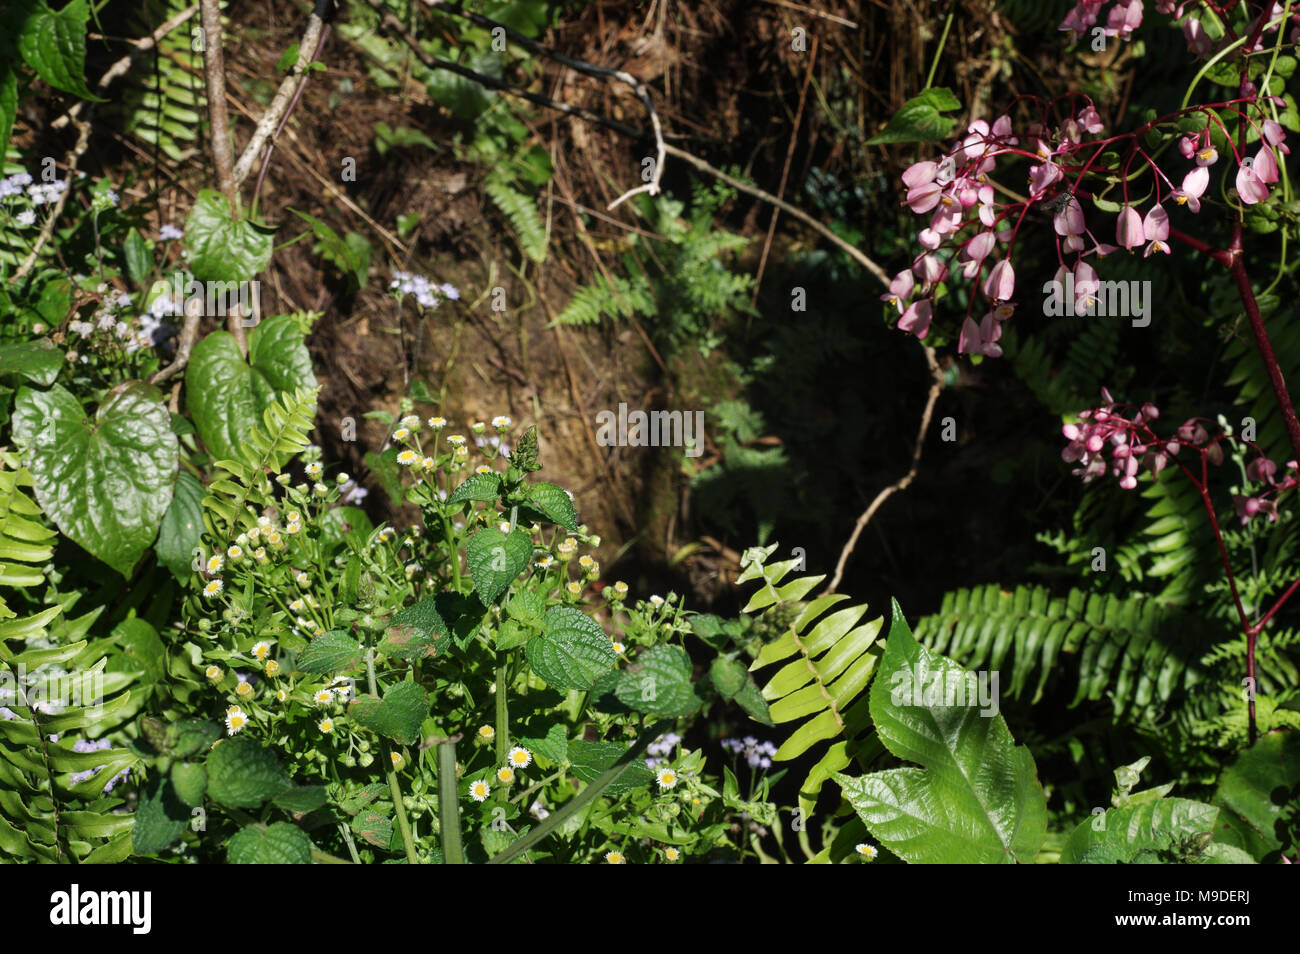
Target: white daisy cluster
[[661, 748], [757, 754], [426, 293]]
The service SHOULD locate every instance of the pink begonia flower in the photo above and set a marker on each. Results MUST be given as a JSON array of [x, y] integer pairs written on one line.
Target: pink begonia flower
[[1124, 18], [923, 198], [988, 213], [929, 239], [1193, 187], [1207, 156], [1128, 231], [1261, 470], [1070, 221], [1265, 165], [1000, 284], [1086, 286], [1249, 186], [969, 341], [982, 338], [1042, 177], [1275, 135], [1082, 16], [1198, 41], [900, 289], [1090, 120], [974, 252], [976, 141], [1156, 229], [1187, 146], [929, 269], [919, 173], [1002, 131], [947, 217], [916, 318]]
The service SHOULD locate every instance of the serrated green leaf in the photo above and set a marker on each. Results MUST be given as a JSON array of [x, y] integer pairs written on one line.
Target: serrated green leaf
[[553, 746], [554, 504], [374, 828], [590, 759], [495, 560], [413, 633], [572, 651], [301, 799], [398, 715], [659, 682], [1148, 832], [189, 780], [281, 843], [526, 607], [105, 481], [1257, 788], [243, 774], [330, 652], [484, 487], [160, 818]]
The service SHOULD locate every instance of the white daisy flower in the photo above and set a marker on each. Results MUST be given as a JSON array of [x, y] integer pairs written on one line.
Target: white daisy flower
[[506, 775], [326, 725], [615, 858], [437, 423], [666, 778], [671, 854], [261, 650], [519, 757], [213, 673], [236, 719], [407, 457], [867, 851], [322, 697], [314, 470], [213, 588], [501, 422], [479, 790]]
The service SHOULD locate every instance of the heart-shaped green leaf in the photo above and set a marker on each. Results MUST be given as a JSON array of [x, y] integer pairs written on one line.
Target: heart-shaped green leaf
[[398, 715], [495, 560], [224, 248], [227, 394], [572, 652], [105, 481], [413, 633]]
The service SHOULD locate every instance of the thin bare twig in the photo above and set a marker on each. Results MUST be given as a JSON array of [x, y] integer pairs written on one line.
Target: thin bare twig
[[811, 12], [323, 11], [936, 385]]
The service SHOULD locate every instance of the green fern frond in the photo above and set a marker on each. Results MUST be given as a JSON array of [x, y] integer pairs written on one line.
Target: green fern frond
[[285, 425], [523, 215], [832, 656], [47, 814], [1137, 650], [167, 109], [601, 299]]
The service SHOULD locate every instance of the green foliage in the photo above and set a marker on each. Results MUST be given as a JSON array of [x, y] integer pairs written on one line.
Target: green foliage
[[107, 481], [832, 658], [1138, 652], [521, 210], [920, 119], [976, 796], [224, 247]]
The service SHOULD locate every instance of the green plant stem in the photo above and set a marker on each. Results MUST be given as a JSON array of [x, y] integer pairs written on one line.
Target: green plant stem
[[583, 798], [448, 805], [399, 810], [943, 41], [348, 840], [503, 707]]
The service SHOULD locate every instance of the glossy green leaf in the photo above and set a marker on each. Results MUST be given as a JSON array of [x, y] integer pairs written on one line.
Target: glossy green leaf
[[224, 248], [182, 527], [1171, 830], [919, 119], [106, 480], [976, 797], [37, 361], [659, 682], [1257, 790], [484, 487], [54, 45]]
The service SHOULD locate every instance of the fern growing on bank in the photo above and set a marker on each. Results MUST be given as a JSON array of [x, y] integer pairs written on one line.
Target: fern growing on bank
[[522, 212], [831, 657], [55, 801]]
